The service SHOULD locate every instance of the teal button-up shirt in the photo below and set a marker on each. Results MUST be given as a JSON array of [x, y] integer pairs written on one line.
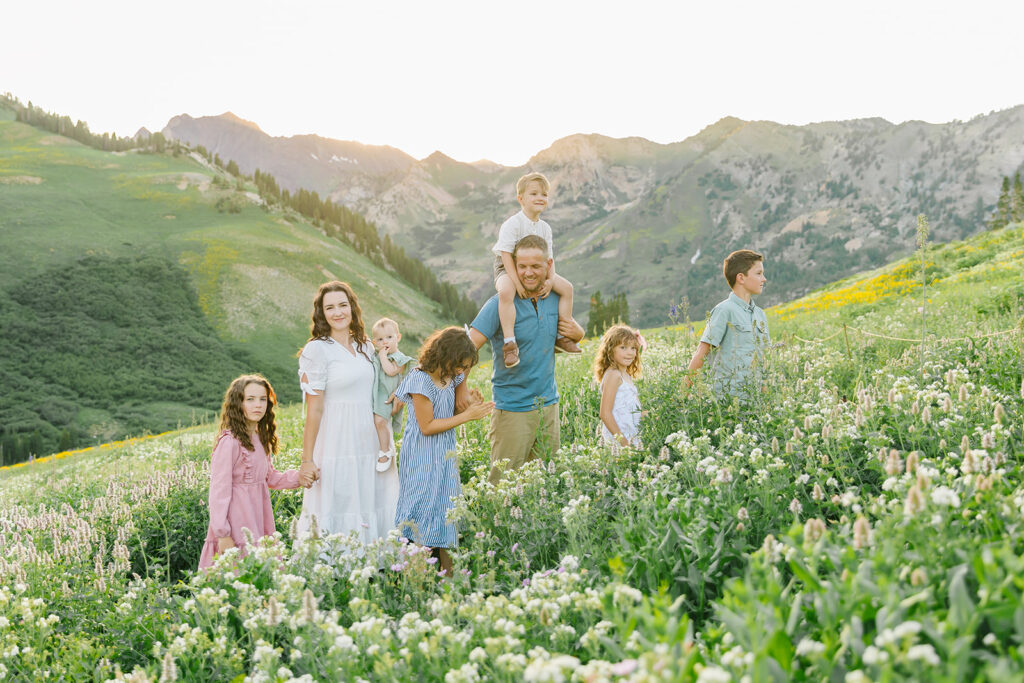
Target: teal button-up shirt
[[738, 334]]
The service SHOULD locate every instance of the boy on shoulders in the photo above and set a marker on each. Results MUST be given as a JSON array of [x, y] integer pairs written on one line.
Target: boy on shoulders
[[532, 191], [737, 331]]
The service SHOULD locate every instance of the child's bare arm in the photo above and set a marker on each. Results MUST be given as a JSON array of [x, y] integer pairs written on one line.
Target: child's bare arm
[[462, 393], [430, 425], [697, 362], [510, 270], [390, 367], [560, 286]]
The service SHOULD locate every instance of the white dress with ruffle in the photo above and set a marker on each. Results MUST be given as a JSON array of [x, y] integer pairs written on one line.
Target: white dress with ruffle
[[626, 411], [350, 494]]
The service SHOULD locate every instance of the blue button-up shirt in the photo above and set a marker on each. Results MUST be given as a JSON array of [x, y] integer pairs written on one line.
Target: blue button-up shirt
[[738, 333], [531, 383]]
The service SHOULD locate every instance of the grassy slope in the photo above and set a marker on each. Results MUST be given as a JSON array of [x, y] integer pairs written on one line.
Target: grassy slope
[[979, 276], [254, 272]]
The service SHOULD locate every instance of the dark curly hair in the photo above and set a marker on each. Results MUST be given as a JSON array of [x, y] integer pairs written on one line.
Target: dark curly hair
[[321, 329], [445, 350], [232, 416]]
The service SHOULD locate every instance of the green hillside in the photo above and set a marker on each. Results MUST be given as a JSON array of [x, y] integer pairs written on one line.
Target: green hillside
[[134, 286]]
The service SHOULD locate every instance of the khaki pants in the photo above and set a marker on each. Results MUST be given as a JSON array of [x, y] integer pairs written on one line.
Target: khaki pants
[[522, 437]]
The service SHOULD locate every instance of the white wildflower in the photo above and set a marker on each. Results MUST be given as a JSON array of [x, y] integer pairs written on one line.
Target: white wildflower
[[925, 653], [807, 647], [943, 495]]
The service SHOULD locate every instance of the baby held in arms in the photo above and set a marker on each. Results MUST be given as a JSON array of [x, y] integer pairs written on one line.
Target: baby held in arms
[[389, 367]]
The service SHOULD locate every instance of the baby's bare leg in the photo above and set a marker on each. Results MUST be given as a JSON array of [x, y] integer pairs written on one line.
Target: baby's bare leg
[[383, 433], [563, 288], [506, 305]]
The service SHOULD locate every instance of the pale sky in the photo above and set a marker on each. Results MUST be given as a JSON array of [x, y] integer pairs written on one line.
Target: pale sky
[[480, 79]]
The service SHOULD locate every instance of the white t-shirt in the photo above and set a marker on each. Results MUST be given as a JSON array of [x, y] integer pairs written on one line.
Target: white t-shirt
[[519, 226]]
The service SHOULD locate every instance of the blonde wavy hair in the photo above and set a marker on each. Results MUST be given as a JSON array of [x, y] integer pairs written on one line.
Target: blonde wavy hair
[[614, 336]]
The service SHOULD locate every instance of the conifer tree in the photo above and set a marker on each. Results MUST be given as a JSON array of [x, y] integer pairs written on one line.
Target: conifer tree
[[1017, 201], [596, 317], [1001, 218]]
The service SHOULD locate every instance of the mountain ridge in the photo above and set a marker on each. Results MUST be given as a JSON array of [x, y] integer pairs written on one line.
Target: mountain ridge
[[821, 200]]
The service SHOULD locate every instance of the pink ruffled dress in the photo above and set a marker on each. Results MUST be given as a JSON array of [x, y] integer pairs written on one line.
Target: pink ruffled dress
[[240, 483]]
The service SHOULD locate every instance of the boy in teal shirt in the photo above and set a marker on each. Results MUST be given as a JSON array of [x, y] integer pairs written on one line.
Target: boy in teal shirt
[[737, 330]]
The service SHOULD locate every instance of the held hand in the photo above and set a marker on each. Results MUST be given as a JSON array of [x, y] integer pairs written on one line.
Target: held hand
[[479, 410], [312, 479], [396, 405], [223, 543], [308, 473]]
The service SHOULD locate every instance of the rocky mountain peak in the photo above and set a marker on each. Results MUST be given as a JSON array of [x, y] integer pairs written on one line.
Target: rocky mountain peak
[[233, 118]]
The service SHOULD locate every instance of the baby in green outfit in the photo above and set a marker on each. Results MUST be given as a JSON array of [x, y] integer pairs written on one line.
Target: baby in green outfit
[[389, 364]]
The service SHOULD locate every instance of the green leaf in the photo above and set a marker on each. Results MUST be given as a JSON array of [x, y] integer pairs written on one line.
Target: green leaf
[[961, 606], [794, 613], [781, 649], [805, 575]]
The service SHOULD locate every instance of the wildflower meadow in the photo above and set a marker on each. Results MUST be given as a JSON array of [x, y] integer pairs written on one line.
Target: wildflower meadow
[[861, 520]]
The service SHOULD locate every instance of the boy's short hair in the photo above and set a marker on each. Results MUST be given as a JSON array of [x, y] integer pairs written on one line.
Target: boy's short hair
[[529, 178], [530, 242], [385, 322], [739, 262]]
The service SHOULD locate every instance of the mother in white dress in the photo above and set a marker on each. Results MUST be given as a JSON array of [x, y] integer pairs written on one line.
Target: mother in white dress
[[339, 438]]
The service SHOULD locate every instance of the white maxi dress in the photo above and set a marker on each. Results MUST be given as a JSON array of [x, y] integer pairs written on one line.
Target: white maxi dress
[[350, 494]]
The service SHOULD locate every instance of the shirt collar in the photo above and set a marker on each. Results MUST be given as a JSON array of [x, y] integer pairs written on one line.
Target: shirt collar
[[749, 308]]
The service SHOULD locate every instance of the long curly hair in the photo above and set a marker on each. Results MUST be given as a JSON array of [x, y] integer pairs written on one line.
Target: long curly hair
[[445, 350], [321, 329], [614, 336], [232, 416]]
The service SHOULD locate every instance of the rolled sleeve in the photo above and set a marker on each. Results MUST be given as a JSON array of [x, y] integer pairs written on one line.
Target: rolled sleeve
[[486, 321], [400, 359], [313, 367], [714, 331]]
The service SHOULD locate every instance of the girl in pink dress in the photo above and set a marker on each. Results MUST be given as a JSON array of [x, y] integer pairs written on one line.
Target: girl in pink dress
[[241, 474]]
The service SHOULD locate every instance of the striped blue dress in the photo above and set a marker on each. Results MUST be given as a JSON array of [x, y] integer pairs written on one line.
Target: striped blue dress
[[428, 473]]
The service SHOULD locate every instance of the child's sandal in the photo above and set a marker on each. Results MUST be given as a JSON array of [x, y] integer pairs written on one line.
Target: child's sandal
[[383, 461]]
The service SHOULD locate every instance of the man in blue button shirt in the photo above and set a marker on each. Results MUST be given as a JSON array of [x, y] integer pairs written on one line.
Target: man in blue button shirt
[[737, 330], [525, 420]]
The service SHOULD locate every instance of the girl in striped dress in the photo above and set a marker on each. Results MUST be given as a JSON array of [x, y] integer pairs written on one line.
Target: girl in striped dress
[[428, 473]]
